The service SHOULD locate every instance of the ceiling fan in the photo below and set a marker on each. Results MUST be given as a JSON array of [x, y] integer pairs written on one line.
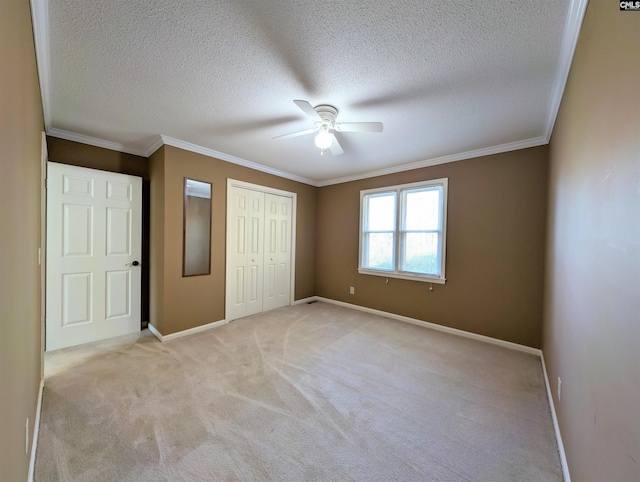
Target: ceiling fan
[[324, 120]]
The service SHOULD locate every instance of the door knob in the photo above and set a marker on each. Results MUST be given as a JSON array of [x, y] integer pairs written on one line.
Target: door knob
[[134, 263]]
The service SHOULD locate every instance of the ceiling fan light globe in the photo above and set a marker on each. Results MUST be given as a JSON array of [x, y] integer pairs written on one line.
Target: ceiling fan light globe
[[323, 140]]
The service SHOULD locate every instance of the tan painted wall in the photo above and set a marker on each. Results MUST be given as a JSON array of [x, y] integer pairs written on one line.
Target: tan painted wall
[[495, 248], [187, 302], [84, 155], [21, 126], [592, 296]]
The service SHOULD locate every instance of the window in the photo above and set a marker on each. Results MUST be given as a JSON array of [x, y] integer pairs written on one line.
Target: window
[[403, 231]]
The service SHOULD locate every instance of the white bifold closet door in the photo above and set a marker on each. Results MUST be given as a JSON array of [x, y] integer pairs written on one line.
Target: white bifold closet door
[[245, 252], [258, 252], [277, 252]]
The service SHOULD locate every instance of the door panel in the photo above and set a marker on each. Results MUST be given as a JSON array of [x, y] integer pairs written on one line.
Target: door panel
[[271, 252], [277, 251], [93, 235], [119, 191], [253, 283], [78, 185], [77, 236], [237, 253], [255, 256], [244, 260], [76, 298], [118, 232], [118, 288], [283, 286], [269, 281], [240, 285], [241, 240]]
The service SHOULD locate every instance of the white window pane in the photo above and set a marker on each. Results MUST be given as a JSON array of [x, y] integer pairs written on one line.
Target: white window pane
[[404, 230], [421, 253], [379, 254], [381, 212], [422, 210]]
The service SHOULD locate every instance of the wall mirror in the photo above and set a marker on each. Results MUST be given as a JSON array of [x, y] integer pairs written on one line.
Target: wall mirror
[[197, 228]]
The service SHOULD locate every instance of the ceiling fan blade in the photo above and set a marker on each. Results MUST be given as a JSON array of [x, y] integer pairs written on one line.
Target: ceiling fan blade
[[359, 127], [296, 134], [335, 147], [308, 109]]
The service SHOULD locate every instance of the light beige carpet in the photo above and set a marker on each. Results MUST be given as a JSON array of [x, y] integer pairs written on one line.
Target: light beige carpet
[[310, 392]]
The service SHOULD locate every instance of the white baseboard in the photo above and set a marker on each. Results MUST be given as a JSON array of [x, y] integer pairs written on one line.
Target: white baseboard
[[190, 331], [433, 326], [155, 332], [36, 432], [311, 299], [556, 426]]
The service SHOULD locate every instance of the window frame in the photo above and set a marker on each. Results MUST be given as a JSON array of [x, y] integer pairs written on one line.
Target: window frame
[[400, 192]]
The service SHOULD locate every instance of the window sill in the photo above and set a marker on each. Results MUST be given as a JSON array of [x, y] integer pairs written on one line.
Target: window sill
[[411, 277]]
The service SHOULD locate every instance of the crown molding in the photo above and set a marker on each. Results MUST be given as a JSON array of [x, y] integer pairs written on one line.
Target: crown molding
[[187, 146], [93, 141], [573, 24], [154, 146], [487, 151], [40, 20]]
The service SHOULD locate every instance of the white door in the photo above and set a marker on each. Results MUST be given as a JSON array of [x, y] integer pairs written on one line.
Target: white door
[[245, 240], [277, 251], [94, 223]]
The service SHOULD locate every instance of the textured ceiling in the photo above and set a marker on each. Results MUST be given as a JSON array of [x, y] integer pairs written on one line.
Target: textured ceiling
[[445, 78]]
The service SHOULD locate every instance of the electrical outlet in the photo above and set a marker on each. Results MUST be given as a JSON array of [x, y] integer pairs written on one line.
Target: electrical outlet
[[352, 290], [26, 437], [559, 389]]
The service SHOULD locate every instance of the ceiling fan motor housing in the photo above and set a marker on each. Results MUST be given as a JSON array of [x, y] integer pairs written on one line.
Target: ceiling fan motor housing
[[328, 114]]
